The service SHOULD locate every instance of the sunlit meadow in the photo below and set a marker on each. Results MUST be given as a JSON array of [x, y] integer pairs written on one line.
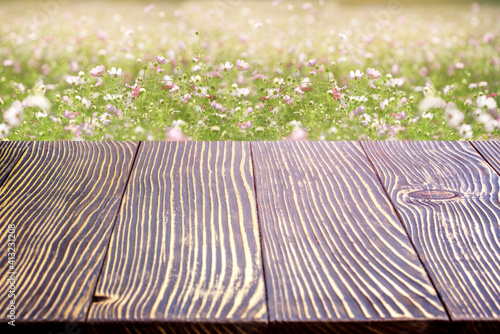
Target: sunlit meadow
[[248, 70]]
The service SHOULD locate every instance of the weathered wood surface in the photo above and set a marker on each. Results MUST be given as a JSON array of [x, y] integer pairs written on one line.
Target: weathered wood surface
[[185, 255], [447, 197], [10, 153], [490, 151], [62, 198], [335, 253], [177, 249]]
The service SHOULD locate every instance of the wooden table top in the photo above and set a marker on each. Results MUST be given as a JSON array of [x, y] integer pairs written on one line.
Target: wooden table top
[[250, 237]]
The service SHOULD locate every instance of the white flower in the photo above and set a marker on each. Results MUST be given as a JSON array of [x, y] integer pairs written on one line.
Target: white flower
[[242, 92], [361, 98], [465, 131], [396, 82], [295, 124], [355, 75], [195, 79], [4, 130], [38, 101], [105, 119], [196, 68], [178, 123], [427, 114], [110, 97], [115, 73], [453, 116], [40, 114], [384, 104], [14, 114], [201, 91], [487, 102], [365, 119], [488, 122], [306, 82], [430, 102], [167, 79], [226, 67], [279, 81], [74, 80]]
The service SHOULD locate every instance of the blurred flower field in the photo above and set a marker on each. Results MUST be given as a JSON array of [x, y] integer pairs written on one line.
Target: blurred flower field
[[248, 70]]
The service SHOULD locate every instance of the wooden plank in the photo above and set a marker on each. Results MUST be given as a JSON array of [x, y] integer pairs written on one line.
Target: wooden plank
[[490, 150], [447, 197], [335, 254], [185, 256], [62, 198], [10, 153]]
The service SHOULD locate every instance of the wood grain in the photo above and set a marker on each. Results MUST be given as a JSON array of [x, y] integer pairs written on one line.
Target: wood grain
[[186, 246], [334, 250], [490, 150], [62, 198], [457, 237], [10, 153]]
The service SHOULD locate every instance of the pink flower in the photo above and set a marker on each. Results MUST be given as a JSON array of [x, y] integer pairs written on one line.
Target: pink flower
[[297, 134], [186, 98], [459, 65], [335, 92], [175, 134], [218, 106], [299, 90], [216, 74], [98, 71], [395, 69], [246, 125], [258, 76], [161, 60], [372, 73], [73, 67], [69, 115], [115, 73], [242, 65], [149, 8], [399, 116], [287, 99], [312, 62], [488, 37], [136, 91]]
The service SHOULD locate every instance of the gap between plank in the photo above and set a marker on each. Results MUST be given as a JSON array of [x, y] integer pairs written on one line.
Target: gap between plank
[[482, 156], [112, 230], [260, 234], [407, 234]]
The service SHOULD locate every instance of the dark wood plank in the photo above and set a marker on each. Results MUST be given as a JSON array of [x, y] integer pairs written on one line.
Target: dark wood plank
[[334, 250], [62, 198], [490, 150], [447, 197], [10, 153], [186, 249], [365, 326]]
